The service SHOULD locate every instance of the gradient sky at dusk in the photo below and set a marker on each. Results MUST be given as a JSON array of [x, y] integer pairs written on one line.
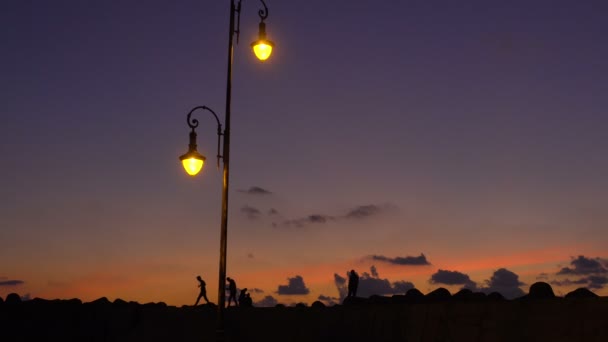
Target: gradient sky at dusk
[[417, 137]]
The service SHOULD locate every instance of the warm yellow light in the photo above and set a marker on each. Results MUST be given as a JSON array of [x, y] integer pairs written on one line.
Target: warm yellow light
[[193, 165], [262, 49]]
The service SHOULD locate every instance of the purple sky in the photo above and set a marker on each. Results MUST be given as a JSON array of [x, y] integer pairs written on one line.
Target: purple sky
[[473, 132]]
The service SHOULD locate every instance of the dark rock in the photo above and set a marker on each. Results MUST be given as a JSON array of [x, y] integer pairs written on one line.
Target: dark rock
[[495, 296], [414, 296], [376, 299], [354, 301], [280, 305], [540, 290], [479, 296], [73, 301], [13, 299], [469, 295], [301, 305], [39, 301], [156, 306], [397, 299], [317, 305], [581, 292], [119, 302], [439, 295], [100, 301], [464, 294]]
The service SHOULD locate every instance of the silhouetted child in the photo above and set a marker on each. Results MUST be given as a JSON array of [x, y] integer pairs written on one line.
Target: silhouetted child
[[242, 297], [203, 292], [248, 301], [353, 283], [232, 290]]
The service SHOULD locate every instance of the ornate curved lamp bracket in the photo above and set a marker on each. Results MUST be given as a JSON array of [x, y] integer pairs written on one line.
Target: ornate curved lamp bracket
[[193, 124], [263, 13]]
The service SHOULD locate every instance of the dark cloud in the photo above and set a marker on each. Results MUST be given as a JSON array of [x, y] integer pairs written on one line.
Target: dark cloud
[[309, 220], [363, 211], [402, 286], [11, 282], [584, 266], [295, 286], [597, 282], [374, 271], [591, 272], [408, 260], [250, 255], [251, 212], [372, 284], [452, 278], [504, 282], [256, 190], [268, 302], [568, 282], [326, 298], [272, 211], [594, 282], [341, 286]]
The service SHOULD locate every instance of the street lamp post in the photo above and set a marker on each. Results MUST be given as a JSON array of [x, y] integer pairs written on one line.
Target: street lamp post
[[193, 161]]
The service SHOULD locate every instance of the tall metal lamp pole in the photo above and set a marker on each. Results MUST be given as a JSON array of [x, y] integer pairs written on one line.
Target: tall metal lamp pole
[[193, 161]]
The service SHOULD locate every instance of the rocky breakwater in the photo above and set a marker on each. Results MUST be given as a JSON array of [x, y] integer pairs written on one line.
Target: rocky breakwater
[[437, 316]]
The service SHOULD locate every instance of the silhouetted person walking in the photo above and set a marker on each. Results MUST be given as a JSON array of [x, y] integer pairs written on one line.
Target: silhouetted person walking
[[353, 283], [232, 290], [203, 292]]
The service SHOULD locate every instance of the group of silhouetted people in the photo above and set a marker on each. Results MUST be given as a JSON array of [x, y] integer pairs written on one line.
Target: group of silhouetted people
[[244, 299]]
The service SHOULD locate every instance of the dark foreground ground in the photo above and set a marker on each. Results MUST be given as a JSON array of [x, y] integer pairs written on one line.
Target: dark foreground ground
[[438, 316]]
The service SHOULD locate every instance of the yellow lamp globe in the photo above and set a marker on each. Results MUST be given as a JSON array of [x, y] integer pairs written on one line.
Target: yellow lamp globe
[[193, 166], [262, 49], [192, 162]]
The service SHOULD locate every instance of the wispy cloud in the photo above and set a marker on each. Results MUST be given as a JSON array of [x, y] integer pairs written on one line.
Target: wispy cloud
[[364, 211], [11, 282], [308, 220], [327, 300], [357, 213], [251, 212], [407, 260], [256, 190]]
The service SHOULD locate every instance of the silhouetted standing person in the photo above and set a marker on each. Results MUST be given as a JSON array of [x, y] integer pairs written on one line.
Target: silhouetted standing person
[[203, 292], [232, 291], [353, 283]]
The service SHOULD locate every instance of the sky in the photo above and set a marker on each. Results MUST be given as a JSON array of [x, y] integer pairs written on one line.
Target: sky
[[423, 144]]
